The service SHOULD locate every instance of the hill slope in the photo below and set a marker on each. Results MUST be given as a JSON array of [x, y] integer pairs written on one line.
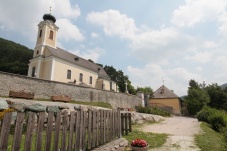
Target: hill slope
[[224, 85], [14, 58]]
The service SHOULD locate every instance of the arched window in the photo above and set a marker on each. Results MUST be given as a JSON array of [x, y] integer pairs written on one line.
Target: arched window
[[40, 33], [68, 74], [90, 81], [33, 72], [51, 36], [37, 52], [81, 77]]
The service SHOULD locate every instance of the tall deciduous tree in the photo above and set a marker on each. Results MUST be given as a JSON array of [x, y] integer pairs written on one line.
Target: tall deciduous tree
[[197, 97], [120, 79], [218, 96], [147, 90]]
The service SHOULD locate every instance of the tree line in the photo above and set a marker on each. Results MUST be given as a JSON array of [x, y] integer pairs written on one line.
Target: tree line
[[14, 58], [200, 95]]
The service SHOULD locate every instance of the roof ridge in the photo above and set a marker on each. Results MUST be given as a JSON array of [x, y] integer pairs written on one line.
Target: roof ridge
[[164, 92]]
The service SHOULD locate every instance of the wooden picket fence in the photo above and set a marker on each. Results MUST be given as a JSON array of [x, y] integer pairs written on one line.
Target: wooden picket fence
[[126, 123], [77, 131]]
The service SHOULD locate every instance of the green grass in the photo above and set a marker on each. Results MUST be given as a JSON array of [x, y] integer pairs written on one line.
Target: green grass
[[99, 104], [210, 140], [154, 140]]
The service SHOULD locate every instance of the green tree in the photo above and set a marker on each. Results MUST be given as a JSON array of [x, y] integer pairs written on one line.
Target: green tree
[[218, 96], [14, 58], [197, 97], [146, 89], [120, 79]]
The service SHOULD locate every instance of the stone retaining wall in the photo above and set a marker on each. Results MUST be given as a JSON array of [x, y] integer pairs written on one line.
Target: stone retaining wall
[[46, 88]]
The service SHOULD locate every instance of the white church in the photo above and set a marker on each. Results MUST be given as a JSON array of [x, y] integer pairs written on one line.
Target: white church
[[50, 62]]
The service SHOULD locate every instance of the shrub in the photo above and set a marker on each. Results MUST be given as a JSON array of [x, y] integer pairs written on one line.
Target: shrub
[[153, 110], [218, 120], [205, 113]]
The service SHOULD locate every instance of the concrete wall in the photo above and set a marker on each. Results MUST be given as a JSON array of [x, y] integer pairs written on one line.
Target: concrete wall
[[46, 88]]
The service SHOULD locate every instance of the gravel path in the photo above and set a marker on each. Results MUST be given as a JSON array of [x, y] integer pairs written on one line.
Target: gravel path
[[181, 130]]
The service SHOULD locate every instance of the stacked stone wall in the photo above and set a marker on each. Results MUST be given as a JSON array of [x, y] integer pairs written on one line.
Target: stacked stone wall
[[45, 89]]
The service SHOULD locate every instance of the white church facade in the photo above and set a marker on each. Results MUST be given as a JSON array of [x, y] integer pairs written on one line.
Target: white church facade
[[52, 63]]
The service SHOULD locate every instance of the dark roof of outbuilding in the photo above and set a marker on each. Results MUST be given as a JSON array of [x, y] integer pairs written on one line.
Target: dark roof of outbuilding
[[164, 92], [65, 55]]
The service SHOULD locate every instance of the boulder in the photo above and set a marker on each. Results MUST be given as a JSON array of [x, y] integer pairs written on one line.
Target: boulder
[[36, 108], [54, 109], [77, 107], [20, 107], [63, 106], [65, 110], [3, 104], [9, 102], [141, 118]]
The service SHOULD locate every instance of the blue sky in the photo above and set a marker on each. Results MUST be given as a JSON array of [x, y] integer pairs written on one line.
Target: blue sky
[[148, 40]]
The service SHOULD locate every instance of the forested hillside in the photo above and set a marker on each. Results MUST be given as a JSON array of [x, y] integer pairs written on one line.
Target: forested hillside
[[224, 85], [14, 58]]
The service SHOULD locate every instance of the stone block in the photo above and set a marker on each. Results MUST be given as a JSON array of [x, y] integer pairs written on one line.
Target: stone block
[[3, 104]]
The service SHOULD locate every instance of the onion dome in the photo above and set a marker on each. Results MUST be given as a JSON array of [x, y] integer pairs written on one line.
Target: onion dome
[[49, 17]]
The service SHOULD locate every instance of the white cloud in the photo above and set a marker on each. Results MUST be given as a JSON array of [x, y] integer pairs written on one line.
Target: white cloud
[[223, 24], [198, 68], [151, 75], [15, 18], [114, 23], [145, 42], [210, 44], [94, 35], [200, 57], [197, 11], [93, 54], [64, 9], [68, 31], [221, 61]]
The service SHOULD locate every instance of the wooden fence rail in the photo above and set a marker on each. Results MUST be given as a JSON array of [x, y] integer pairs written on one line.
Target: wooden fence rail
[[74, 131]]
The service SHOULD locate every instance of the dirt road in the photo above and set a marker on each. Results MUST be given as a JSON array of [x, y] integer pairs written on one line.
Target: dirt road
[[181, 130]]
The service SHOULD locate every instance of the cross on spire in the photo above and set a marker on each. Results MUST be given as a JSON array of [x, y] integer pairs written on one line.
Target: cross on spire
[[163, 80], [50, 9]]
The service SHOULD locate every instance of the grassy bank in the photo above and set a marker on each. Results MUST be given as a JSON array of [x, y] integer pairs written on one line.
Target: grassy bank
[[210, 140], [99, 104], [154, 140]]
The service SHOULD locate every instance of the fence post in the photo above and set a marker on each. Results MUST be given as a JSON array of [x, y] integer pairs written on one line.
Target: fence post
[[77, 144], [29, 131], [126, 123], [57, 130], [18, 131], [122, 123], [130, 122], [94, 127], [5, 131], [39, 132], [119, 122], [71, 130], [49, 130]]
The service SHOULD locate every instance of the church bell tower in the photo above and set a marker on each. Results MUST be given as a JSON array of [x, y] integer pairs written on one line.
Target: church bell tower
[[46, 37], [47, 34]]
